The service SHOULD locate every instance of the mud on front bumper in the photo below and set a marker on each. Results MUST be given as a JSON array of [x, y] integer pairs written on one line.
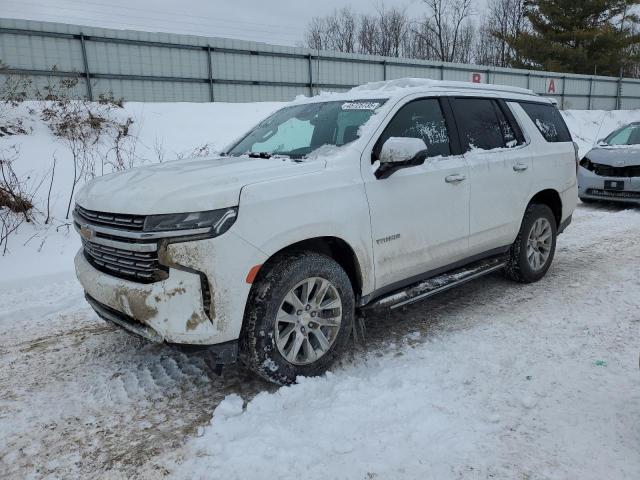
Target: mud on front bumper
[[175, 309], [171, 310]]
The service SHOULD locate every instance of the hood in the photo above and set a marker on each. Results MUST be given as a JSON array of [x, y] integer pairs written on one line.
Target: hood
[[616, 156], [186, 185]]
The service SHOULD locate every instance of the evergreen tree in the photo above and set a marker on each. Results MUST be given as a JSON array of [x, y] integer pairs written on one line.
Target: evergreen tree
[[578, 36]]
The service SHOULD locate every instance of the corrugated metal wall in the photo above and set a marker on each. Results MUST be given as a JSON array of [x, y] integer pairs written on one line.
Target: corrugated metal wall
[[163, 67]]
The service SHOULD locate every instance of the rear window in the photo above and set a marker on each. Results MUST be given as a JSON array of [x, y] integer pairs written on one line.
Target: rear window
[[483, 125], [549, 121]]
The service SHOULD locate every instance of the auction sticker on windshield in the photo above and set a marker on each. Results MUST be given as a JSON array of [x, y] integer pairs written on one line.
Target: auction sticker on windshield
[[360, 105]]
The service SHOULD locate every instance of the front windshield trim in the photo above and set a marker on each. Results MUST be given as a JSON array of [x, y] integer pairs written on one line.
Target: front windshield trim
[[307, 112]]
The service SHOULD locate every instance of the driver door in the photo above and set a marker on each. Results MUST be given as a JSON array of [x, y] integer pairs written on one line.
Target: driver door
[[420, 214]]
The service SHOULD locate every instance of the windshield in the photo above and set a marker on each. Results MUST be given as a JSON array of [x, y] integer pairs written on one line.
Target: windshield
[[629, 135], [298, 130]]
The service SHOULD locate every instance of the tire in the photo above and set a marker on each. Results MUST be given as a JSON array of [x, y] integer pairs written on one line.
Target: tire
[[521, 265], [272, 324]]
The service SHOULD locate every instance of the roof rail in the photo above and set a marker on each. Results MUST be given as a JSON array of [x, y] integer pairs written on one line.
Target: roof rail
[[490, 87], [426, 83]]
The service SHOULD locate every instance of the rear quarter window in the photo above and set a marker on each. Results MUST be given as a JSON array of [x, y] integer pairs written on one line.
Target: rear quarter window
[[549, 122]]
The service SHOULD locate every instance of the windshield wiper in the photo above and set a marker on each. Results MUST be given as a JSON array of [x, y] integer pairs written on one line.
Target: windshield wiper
[[260, 155]]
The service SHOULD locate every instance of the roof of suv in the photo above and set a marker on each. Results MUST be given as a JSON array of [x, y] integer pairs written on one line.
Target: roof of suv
[[402, 87]]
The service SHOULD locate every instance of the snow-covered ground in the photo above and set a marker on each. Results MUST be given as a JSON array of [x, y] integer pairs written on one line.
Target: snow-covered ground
[[491, 380]]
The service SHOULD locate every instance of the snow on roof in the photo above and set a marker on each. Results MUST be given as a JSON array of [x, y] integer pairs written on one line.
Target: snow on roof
[[405, 86]]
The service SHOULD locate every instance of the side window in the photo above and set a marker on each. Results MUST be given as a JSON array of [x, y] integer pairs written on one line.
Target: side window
[[419, 119], [548, 120], [480, 125], [511, 133]]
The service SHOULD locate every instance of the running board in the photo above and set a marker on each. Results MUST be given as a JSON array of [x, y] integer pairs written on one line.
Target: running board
[[440, 283]]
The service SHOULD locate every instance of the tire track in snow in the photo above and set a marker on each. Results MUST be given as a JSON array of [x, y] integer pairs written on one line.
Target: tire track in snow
[[80, 398]]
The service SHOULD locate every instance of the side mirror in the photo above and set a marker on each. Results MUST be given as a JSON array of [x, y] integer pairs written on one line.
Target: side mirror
[[400, 152]]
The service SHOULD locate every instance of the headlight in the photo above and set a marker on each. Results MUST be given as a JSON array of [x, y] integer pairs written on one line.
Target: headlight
[[217, 221]]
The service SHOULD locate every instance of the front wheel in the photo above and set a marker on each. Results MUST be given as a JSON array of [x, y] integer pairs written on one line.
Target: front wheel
[[299, 317], [531, 254]]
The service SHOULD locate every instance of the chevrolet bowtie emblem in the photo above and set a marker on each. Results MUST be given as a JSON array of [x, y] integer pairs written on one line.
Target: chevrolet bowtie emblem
[[86, 232]]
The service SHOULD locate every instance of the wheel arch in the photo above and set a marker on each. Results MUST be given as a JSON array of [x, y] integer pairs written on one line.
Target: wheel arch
[[333, 247], [550, 198]]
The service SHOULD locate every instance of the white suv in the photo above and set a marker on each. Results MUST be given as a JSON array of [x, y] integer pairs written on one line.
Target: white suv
[[374, 198]]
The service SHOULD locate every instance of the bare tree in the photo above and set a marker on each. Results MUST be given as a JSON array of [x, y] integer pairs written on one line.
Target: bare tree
[[393, 26], [16, 201], [448, 24], [445, 33], [315, 36], [92, 131], [334, 32], [503, 19], [368, 35], [344, 31], [420, 42], [13, 91]]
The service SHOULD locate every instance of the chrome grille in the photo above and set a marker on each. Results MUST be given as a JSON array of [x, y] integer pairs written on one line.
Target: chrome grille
[[132, 265], [113, 220], [113, 243]]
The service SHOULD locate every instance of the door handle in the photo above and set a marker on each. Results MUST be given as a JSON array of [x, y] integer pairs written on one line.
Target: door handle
[[520, 167], [455, 178]]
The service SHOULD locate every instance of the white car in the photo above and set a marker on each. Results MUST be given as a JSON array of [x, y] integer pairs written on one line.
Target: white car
[[610, 171], [374, 198]]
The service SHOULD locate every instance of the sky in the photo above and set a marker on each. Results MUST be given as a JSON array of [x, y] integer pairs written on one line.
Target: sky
[[281, 22]]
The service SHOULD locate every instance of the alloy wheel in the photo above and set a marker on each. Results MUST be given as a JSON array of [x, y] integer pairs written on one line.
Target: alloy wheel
[[539, 244], [308, 321]]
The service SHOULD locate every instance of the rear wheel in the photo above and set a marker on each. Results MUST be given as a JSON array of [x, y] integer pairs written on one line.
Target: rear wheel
[[299, 317], [531, 254]]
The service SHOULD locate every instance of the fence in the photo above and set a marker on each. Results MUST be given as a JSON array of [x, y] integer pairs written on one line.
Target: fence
[[163, 67]]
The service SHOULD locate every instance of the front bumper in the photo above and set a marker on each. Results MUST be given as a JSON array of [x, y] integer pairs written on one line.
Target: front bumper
[[174, 310], [592, 186], [167, 311], [223, 353]]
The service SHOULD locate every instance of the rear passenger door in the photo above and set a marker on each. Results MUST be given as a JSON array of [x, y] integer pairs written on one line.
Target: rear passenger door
[[499, 171]]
